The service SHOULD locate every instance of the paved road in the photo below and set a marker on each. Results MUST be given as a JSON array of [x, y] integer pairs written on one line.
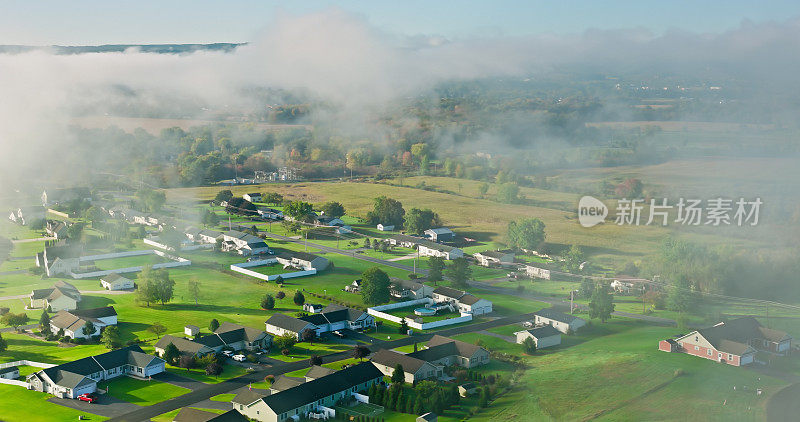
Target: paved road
[[207, 391], [478, 284]]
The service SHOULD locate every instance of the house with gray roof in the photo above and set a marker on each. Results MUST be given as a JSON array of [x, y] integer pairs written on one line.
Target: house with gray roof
[[314, 399], [429, 248], [243, 243], [230, 335], [330, 318], [303, 260], [63, 296], [559, 320], [544, 336], [494, 258], [115, 281], [429, 362], [409, 289], [69, 380], [462, 301], [440, 235], [72, 323], [188, 414]]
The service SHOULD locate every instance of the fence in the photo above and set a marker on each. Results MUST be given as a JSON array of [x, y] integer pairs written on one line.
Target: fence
[[177, 262], [241, 268], [376, 311], [152, 242], [21, 363]]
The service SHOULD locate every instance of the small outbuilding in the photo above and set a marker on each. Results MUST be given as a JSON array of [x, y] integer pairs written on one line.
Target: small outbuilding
[[10, 373], [191, 330]]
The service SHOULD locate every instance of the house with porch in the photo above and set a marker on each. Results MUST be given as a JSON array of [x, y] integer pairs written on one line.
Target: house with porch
[[70, 380], [330, 318], [462, 301], [72, 323], [314, 399], [559, 320], [409, 289], [543, 337], [428, 248], [115, 281]]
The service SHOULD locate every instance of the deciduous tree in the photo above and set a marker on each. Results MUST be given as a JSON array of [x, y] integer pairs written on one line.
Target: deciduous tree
[[374, 286]]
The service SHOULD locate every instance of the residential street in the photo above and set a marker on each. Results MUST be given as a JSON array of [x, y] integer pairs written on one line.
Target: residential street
[[207, 391]]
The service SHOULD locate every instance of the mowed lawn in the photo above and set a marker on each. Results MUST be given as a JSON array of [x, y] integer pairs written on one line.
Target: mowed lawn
[[615, 372], [141, 392], [20, 405]]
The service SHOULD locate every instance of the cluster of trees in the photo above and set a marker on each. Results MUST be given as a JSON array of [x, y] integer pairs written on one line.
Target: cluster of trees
[[154, 286], [526, 234], [149, 200], [426, 396], [210, 362], [390, 211], [375, 286]]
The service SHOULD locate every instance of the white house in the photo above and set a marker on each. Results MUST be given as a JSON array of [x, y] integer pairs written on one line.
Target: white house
[[427, 248], [494, 258], [191, 330], [243, 243], [72, 323], [385, 227], [544, 336], [10, 373], [252, 197], [70, 380], [462, 301], [441, 234], [537, 272], [559, 320], [63, 296], [409, 289], [115, 281]]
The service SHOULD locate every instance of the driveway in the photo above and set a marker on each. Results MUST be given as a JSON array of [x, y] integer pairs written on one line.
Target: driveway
[[500, 336], [105, 406]]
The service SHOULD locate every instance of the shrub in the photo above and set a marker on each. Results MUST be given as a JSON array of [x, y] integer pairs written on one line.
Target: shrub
[[4, 310], [285, 352], [252, 358]]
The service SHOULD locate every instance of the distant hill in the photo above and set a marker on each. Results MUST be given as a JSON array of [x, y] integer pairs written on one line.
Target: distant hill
[[113, 48]]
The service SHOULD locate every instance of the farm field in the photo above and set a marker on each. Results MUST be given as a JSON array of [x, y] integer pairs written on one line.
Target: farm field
[[486, 220]]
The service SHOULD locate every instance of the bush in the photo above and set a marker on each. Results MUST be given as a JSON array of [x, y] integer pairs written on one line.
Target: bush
[[285, 352], [4, 310], [78, 340], [252, 358]]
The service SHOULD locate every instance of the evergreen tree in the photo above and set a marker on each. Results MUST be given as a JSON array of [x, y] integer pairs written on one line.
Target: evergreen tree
[[213, 325], [529, 346], [44, 321], [398, 376]]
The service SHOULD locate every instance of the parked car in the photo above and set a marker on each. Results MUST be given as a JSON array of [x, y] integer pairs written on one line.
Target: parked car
[[227, 353], [239, 358], [88, 397], [339, 334]]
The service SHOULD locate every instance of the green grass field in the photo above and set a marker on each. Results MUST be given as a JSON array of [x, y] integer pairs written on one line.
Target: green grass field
[[21, 405], [140, 392], [614, 371], [199, 374]]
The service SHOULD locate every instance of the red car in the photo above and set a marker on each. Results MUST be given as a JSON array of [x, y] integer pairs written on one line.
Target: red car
[[88, 397]]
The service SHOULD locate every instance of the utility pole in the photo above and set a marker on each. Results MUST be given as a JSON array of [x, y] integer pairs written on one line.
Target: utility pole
[[571, 299], [230, 226]]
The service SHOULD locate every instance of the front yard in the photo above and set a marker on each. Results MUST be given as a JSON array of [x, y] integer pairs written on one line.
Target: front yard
[[141, 392]]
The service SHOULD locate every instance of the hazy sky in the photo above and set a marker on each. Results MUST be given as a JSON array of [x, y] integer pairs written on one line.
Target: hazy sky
[[45, 22]]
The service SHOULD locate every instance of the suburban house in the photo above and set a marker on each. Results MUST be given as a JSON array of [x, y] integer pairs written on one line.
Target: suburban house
[[60, 258], [230, 335], [385, 227], [243, 243], [283, 382], [428, 248], [188, 414], [312, 307], [314, 399], [734, 342], [56, 229], [330, 318], [544, 336], [27, 215], [185, 346], [303, 260], [270, 213], [440, 235], [115, 281], [430, 362], [409, 289], [62, 297], [559, 320], [353, 287], [239, 337], [323, 220], [404, 241], [69, 380], [414, 369], [462, 301], [10, 373], [73, 322], [537, 272], [317, 371], [494, 258], [252, 197]]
